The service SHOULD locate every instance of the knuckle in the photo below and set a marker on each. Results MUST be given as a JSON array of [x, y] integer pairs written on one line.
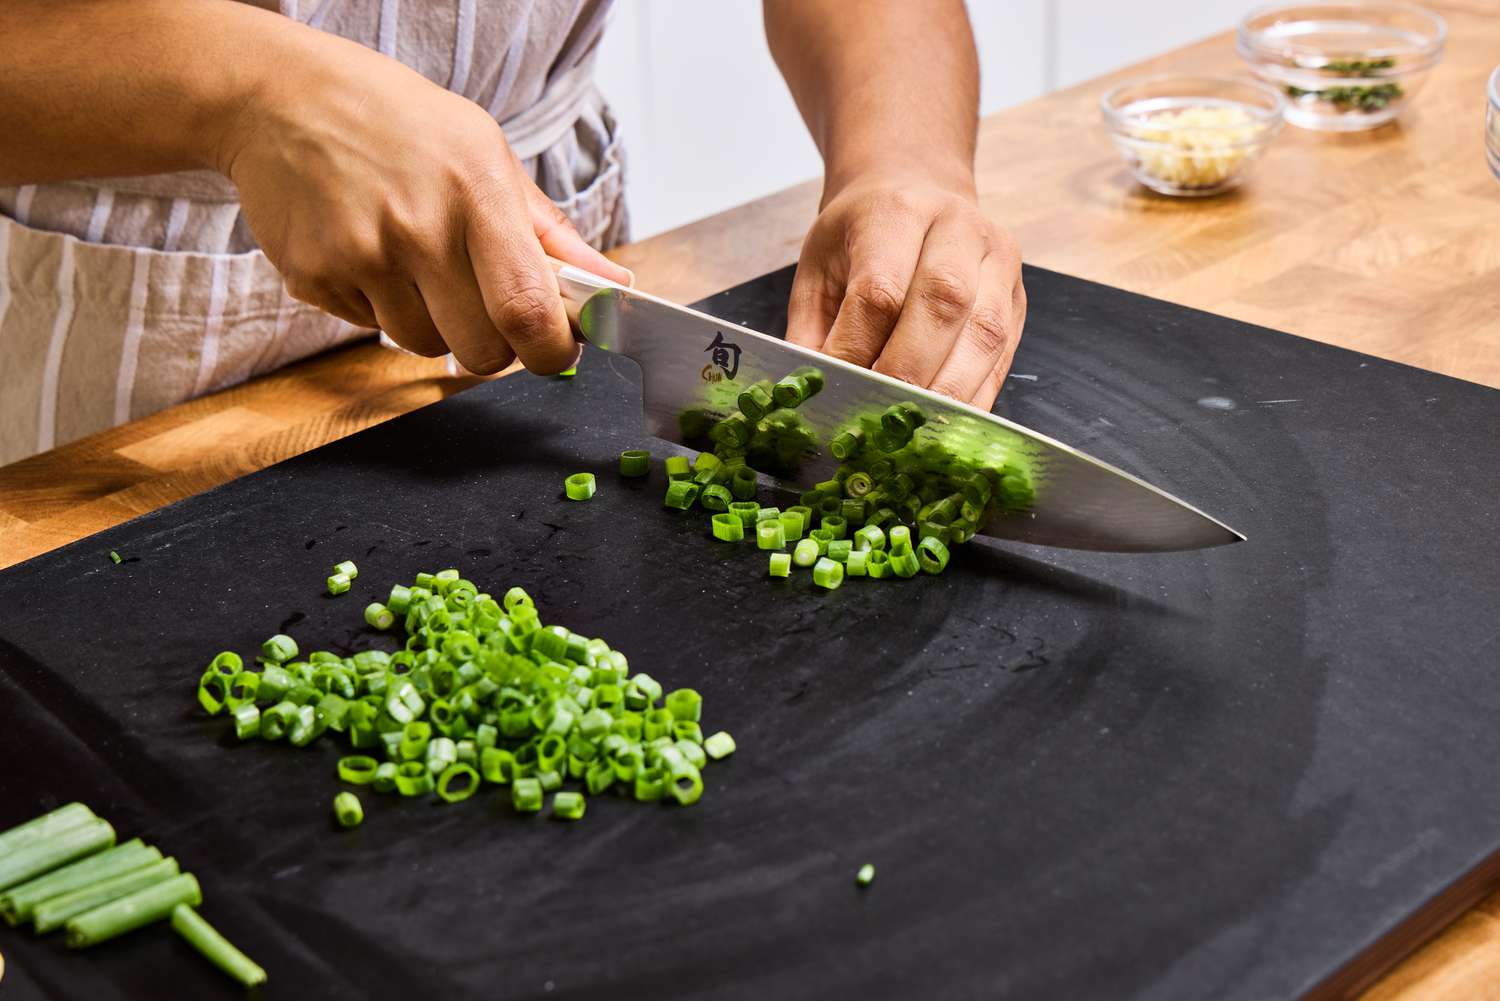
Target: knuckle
[[878, 298], [946, 294], [949, 387], [487, 362], [900, 369], [989, 328], [525, 314]]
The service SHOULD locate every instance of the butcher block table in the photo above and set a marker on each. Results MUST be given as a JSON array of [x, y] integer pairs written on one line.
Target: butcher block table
[[1385, 242]]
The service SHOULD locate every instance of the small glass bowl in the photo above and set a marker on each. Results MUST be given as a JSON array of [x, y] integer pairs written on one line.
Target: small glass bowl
[[1344, 67], [1191, 136], [1492, 125]]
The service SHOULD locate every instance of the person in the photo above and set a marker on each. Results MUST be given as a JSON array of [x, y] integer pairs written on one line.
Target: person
[[196, 191]]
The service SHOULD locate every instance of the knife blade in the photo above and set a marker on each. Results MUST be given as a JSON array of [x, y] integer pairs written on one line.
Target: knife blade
[[691, 361]]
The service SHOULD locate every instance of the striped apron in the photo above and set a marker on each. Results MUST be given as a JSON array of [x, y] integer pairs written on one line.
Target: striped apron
[[120, 297]]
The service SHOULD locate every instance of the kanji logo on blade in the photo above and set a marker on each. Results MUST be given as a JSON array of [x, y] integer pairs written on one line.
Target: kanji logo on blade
[[725, 355]]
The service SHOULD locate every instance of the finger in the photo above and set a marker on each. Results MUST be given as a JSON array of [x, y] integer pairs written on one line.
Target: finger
[[989, 337], [555, 232], [814, 302], [349, 305], [985, 398], [403, 316], [457, 308], [882, 261], [519, 291], [937, 306]]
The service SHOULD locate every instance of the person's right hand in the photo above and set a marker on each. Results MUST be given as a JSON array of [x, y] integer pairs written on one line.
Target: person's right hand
[[388, 201]]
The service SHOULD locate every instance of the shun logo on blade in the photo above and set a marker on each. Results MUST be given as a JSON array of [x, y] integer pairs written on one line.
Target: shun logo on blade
[[724, 359]]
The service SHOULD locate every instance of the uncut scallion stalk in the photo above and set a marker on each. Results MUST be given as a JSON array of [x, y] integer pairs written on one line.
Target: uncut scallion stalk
[[215, 947], [144, 907], [53, 914], [67, 846], [19, 902], [44, 827]]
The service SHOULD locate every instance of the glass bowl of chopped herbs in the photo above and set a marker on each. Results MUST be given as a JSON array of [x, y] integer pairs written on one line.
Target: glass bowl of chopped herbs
[[1191, 136], [1343, 67]]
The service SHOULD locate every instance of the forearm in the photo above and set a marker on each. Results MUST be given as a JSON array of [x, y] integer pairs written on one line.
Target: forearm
[[120, 87], [885, 83]]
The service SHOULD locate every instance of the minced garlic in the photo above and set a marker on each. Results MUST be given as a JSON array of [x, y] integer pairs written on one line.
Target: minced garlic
[[1213, 142]]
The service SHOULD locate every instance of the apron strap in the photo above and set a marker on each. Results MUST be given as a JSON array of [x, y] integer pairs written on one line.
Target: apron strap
[[532, 132]]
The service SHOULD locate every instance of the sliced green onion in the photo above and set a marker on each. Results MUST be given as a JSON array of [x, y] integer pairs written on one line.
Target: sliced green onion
[[568, 806], [806, 553], [932, 555], [791, 523], [866, 875], [413, 779], [846, 445], [681, 494], [141, 908], [715, 497], [378, 616], [339, 584], [215, 947], [635, 462], [742, 483], [781, 564], [770, 535], [385, 777], [719, 746], [347, 568], [790, 391], [457, 783], [869, 537], [678, 467], [246, 721], [685, 704], [358, 769], [747, 511], [904, 562], [857, 563], [839, 550], [728, 528], [526, 796], [684, 783], [828, 573], [900, 538], [877, 564], [756, 401], [279, 648], [115, 557], [579, 486], [836, 526]]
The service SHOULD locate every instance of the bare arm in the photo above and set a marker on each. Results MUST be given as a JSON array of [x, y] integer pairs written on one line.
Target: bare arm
[[381, 197], [900, 271], [113, 87], [886, 83]]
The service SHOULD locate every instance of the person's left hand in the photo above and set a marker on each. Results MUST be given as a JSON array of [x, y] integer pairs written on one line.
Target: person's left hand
[[905, 275]]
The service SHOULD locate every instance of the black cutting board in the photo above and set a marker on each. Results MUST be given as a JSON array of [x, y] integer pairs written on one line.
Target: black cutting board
[[1234, 774]]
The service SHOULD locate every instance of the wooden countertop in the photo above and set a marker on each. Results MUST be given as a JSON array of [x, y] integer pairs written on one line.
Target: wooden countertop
[[1386, 242]]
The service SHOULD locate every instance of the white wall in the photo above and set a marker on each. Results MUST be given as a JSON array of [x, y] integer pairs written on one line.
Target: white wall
[[709, 124]]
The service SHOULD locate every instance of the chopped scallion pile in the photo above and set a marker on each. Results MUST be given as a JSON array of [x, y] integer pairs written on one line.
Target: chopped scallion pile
[[480, 692]]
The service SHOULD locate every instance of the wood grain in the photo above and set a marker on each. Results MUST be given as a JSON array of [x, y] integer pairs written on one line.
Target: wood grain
[[1386, 242]]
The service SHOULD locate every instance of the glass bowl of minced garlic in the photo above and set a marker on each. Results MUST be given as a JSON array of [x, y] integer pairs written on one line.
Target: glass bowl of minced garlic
[[1191, 136]]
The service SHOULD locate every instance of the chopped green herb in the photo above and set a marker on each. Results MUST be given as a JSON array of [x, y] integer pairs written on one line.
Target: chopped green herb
[[579, 486]]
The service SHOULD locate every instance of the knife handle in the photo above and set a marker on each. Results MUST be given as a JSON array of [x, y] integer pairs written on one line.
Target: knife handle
[[576, 286]]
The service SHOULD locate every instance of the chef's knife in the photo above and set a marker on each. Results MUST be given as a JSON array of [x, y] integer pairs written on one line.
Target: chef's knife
[[692, 361]]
